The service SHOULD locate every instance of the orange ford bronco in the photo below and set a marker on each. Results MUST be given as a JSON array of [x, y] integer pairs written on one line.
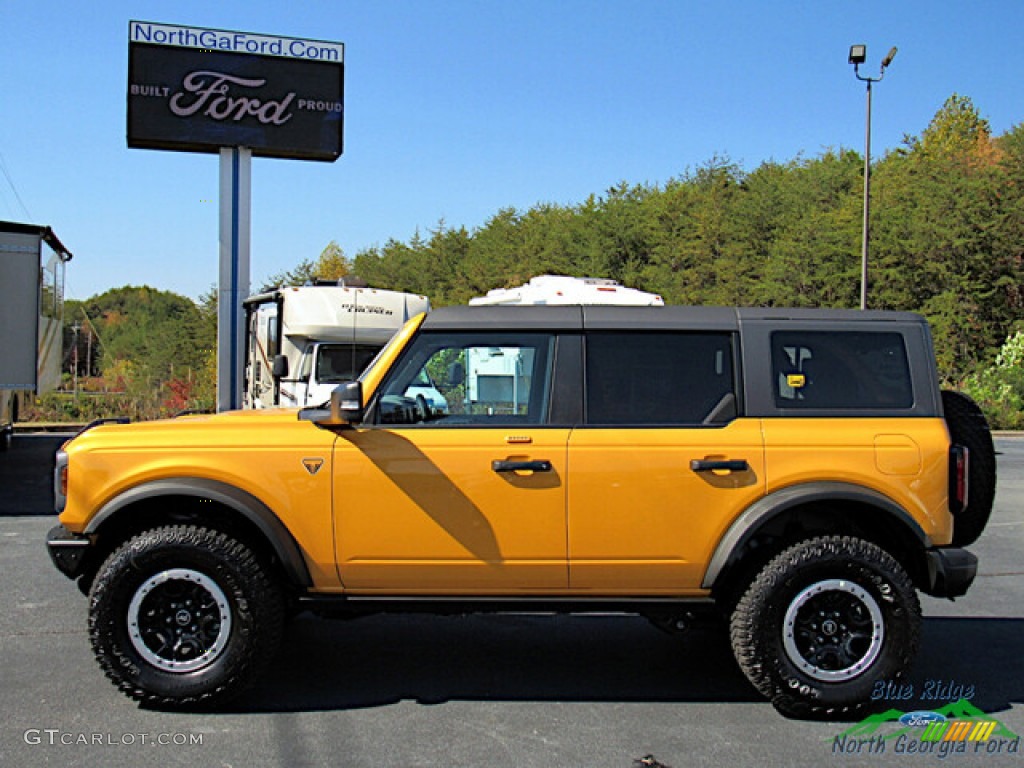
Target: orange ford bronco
[[798, 471]]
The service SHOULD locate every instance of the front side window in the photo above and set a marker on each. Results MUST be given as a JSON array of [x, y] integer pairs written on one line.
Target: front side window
[[840, 369], [470, 378], [660, 378]]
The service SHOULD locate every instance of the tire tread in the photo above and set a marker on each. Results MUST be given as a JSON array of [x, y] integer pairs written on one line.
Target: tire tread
[[264, 599], [968, 427], [747, 623]]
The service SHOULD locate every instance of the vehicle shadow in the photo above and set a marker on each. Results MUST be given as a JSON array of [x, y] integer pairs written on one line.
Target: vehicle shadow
[[380, 660], [384, 659]]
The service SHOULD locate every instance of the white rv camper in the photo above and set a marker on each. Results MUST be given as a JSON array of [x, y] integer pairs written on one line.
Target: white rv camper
[[32, 263], [557, 289], [496, 375], [305, 340]]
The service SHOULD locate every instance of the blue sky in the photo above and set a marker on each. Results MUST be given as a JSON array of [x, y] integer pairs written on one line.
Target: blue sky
[[455, 109]]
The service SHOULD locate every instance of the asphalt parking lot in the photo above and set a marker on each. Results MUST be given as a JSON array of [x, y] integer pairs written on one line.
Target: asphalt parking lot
[[483, 690]]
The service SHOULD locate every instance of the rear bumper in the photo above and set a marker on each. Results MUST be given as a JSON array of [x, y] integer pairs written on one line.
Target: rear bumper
[[951, 571], [67, 550]]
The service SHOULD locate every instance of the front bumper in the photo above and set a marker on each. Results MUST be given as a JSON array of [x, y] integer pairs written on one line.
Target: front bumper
[[68, 550], [951, 571]]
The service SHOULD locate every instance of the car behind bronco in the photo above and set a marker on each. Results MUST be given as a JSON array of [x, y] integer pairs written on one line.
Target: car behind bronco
[[797, 471]]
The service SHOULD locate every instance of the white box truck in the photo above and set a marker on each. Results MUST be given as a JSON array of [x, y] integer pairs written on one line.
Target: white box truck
[[32, 267], [302, 341]]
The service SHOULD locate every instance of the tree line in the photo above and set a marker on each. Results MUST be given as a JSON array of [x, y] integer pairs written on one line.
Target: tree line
[[947, 240], [947, 237]]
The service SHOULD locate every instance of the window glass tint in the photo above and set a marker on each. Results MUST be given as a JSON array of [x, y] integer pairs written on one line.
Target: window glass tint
[[488, 379], [660, 378], [846, 369]]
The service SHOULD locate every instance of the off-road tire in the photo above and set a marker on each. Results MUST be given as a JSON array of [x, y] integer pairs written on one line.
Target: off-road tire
[[874, 617], [968, 427], [223, 602]]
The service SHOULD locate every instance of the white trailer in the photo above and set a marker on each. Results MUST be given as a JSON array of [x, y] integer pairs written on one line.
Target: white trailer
[[496, 375], [303, 341], [32, 267], [558, 289]]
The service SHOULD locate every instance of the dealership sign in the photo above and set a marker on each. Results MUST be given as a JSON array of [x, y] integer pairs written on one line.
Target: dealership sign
[[195, 89]]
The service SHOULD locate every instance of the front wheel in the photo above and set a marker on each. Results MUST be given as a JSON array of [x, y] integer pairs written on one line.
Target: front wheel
[[184, 615], [823, 623]]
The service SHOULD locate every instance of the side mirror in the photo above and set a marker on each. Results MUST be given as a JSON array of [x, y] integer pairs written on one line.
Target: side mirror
[[347, 402], [279, 368], [344, 410]]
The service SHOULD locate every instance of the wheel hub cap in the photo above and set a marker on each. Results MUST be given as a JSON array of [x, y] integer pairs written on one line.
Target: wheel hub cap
[[179, 620], [833, 630]]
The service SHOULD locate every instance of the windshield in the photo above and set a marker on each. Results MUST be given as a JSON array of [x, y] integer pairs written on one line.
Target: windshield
[[336, 363]]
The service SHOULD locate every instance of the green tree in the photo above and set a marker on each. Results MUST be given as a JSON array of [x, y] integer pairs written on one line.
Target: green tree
[[999, 388], [957, 131], [939, 226], [332, 264]]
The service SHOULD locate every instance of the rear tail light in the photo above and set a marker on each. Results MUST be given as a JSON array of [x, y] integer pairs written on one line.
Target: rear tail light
[[959, 467]]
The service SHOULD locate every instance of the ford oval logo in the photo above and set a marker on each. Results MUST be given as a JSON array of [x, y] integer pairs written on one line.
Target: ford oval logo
[[921, 718]]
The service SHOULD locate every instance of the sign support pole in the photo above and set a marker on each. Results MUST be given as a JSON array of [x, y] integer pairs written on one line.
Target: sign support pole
[[235, 226]]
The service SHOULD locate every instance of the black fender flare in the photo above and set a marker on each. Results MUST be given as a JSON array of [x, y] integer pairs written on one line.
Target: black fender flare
[[765, 509], [245, 504]]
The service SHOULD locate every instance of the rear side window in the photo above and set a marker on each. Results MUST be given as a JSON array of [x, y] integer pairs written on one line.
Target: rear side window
[[660, 378], [840, 369]]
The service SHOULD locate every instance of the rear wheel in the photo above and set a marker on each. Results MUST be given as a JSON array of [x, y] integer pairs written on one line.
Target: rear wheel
[[183, 615], [823, 622], [968, 427]]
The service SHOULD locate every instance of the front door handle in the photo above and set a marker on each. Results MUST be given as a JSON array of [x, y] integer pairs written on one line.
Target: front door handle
[[539, 465], [725, 465]]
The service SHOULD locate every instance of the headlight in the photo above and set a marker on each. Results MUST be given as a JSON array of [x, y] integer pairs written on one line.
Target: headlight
[[60, 481]]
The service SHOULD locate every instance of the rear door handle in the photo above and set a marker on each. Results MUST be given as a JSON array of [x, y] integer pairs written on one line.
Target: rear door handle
[[539, 465], [727, 465]]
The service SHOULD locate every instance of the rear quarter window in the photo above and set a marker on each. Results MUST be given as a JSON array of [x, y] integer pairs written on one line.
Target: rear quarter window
[[841, 370]]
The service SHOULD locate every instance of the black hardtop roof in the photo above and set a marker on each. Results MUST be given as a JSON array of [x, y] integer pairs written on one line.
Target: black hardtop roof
[[604, 317]]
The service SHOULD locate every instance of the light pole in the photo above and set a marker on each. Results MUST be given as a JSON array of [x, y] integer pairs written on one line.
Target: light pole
[[858, 54]]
